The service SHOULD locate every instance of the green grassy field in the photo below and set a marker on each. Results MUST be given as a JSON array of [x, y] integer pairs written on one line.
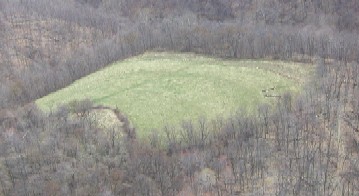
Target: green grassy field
[[155, 89]]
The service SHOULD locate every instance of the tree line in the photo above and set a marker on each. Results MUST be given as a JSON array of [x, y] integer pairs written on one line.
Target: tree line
[[31, 70], [305, 145]]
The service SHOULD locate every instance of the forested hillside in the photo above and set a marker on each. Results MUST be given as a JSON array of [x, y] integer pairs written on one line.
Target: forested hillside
[[302, 145], [70, 39]]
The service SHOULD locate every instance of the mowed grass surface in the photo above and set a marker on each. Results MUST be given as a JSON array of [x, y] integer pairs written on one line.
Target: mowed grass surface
[[155, 89]]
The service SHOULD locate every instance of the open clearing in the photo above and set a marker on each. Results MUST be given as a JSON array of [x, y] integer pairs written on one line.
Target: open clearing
[[155, 89]]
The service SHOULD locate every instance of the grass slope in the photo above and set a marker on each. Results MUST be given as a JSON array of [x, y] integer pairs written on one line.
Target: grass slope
[[158, 88]]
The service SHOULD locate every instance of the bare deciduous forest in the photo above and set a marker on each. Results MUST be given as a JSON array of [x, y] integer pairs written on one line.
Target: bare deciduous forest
[[304, 145]]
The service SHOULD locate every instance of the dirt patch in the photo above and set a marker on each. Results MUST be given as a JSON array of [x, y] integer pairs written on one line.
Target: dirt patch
[[122, 118]]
